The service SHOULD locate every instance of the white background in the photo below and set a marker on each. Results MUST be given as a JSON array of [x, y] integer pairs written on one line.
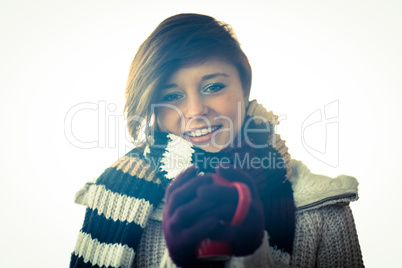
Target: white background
[[305, 55]]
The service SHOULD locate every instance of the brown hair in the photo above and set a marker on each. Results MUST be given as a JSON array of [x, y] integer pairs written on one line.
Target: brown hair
[[179, 40]]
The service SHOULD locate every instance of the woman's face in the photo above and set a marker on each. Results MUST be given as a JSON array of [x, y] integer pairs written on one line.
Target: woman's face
[[203, 103]]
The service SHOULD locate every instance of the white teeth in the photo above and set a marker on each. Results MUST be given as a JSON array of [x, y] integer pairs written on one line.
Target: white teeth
[[202, 132]]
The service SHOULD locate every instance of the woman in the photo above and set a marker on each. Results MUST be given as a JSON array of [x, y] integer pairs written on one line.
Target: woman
[[188, 91]]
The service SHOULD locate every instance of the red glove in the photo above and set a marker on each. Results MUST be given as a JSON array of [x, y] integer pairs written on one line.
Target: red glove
[[246, 237]]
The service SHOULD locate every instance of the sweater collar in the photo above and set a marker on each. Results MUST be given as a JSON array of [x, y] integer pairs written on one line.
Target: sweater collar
[[312, 190]]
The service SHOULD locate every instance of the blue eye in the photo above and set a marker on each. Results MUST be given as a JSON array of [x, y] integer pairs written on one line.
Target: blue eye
[[172, 97], [212, 88]]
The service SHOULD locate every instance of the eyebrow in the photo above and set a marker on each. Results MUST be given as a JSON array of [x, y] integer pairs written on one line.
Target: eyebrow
[[205, 77]]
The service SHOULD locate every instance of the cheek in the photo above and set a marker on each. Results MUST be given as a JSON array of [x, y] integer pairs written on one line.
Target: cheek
[[167, 120], [234, 108]]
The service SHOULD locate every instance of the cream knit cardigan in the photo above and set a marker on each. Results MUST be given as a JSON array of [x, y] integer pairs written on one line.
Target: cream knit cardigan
[[325, 234]]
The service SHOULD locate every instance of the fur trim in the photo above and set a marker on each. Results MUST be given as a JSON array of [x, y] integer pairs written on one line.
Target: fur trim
[[312, 190]]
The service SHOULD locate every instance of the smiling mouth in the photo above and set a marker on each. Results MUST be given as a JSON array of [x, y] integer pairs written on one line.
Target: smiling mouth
[[202, 132]]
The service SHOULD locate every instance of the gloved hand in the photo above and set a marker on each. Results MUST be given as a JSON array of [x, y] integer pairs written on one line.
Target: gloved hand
[[182, 225], [246, 237], [197, 209]]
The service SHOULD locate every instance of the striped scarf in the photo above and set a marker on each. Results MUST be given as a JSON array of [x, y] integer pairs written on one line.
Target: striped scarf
[[123, 197]]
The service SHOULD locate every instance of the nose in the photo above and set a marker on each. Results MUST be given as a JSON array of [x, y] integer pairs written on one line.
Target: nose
[[195, 106]]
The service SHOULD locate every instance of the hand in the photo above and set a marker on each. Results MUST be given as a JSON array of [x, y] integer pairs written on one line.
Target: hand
[[247, 236], [182, 225]]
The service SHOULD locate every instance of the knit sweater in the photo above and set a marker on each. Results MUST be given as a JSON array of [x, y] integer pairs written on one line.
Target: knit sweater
[[325, 230], [122, 225]]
